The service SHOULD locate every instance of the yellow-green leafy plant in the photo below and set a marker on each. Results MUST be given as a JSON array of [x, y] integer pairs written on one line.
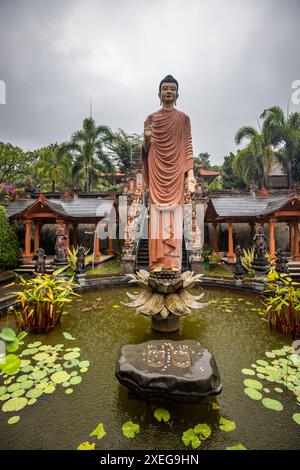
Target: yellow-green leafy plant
[[283, 303], [40, 305], [72, 257], [248, 257]]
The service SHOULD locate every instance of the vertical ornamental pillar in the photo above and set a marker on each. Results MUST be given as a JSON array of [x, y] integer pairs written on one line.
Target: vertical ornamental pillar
[[272, 237], [230, 255]]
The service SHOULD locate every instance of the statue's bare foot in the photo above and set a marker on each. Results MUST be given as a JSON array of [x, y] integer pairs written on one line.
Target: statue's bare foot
[[158, 269], [175, 269]]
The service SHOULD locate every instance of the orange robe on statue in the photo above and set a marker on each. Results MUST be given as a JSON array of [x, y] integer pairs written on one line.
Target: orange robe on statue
[[170, 156]]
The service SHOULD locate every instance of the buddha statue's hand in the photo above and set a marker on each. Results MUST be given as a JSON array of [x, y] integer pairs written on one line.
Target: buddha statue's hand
[[191, 183], [147, 134]]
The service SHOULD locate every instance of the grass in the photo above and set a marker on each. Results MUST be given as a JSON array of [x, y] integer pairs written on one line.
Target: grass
[[218, 271], [109, 267]]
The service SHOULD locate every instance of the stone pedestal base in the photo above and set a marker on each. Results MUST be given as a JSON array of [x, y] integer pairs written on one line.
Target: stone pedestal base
[[128, 265], [182, 371], [197, 266], [81, 278], [167, 325]]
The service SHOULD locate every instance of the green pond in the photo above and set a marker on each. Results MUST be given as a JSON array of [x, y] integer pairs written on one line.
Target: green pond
[[63, 415]]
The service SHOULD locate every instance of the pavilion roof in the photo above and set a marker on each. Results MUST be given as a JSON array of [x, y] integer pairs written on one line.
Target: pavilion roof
[[245, 206], [84, 208]]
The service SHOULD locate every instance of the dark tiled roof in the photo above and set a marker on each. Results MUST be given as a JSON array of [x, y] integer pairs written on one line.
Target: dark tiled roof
[[77, 208], [247, 206]]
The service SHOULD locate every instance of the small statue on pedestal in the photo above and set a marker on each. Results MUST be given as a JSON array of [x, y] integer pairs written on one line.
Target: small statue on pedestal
[[40, 261], [60, 246], [281, 262], [238, 270], [80, 261]]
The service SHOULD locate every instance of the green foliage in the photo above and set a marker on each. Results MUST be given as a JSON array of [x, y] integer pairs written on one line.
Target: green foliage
[[53, 167], [125, 149], [13, 161], [204, 160], [99, 431], [229, 179], [40, 305], [11, 340], [247, 259], [207, 252], [130, 429], [226, 425], [282, 303], [216, 184], [9, 250], [11, 365], [162, 415]]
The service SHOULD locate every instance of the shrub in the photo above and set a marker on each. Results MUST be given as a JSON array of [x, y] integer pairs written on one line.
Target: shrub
[[9, 249]]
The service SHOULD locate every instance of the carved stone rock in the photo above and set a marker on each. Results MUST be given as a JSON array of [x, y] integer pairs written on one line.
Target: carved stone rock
[[183, 371]]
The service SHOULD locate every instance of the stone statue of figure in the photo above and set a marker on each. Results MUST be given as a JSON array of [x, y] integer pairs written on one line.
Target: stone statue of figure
[[60, 244], [260, 246], [40, 261], [80, 261], [167, 158]]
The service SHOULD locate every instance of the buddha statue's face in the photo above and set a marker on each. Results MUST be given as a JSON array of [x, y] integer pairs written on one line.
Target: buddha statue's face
[[168, 93]]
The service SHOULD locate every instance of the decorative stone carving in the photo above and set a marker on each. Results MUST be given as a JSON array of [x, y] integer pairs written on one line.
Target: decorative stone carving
[[179, 370], [260, 263], [281, 262], [40, 261], [239, 271]]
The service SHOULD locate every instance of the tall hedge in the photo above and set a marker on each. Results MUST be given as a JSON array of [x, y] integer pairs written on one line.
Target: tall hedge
[[9, 249]]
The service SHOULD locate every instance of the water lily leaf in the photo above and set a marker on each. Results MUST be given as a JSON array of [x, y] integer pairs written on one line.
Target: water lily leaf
[[86, 446], [2, 391], [83, 370], [11, 364], [71, 355], [27, 384], [68, 336], [253, 384], [68, 391], [60, 377], [13, 387], [13, 420], [189, 437], [4, 397], [270, 354], [7, 334], [203, 430], [36, 344], [272, 404], [296, 418], [24, 363], [116, 306], [75, 380], [261, 362], [84, 364], [161, 414], [248, 372], [295, 359], [18, 393], [38, 375], [49, 389], [279, 352], [99, 431], [237, 447], [12, 346], [22, 378], [29, 352], [278, 390], [253, 393], [14, 404], [227, 425], [130, 429], [266, 390], [42, 356], [34, 393]]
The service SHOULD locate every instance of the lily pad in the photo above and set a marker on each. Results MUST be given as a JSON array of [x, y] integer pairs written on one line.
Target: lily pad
[[14, 404], [18, 393], [11, 364], [22, 378], [296, 418], [60, 377], [49, 389], [270, 354], [34, 393], [272, 404], [38, 375], [130, 429], [36, 344], [215, 406], [75, 380], [83, 370], [189, 437], [29, 352], [27, 384], [161, 414], [116, 306], [4, 397], [248, 372], [226, 425], [68, 391], [99, 431], [203, 430], [237, 447], [13, 387], [32, 401], [84, 364], [7, 334], [253, 384], [253, 393], [86, 446], [68, 336], [2, 391], [71, 355], [24, 363], [13, 420], [261, 362]]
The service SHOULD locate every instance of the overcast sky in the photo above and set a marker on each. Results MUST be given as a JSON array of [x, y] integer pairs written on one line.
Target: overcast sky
[[232, 59]]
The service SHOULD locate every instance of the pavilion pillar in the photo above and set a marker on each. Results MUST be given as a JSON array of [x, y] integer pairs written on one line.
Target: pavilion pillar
[[296, 242], [67, 234], [215, 238], [27, 253], [230, 255], [110, 241], [75, 226], [97, 253], [272, 246], [37, 226], [291, 226]]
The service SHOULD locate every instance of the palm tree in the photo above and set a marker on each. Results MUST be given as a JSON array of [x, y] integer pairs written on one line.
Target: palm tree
[[54, 163], [284, 133], [124, 148], [88, 146], [256, 160]]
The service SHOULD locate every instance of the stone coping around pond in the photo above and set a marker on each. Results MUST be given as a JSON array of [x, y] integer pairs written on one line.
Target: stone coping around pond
[[7, 277], [120, 280]]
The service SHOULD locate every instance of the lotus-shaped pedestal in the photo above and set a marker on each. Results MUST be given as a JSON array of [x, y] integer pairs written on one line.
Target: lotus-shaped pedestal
[[165, 294]]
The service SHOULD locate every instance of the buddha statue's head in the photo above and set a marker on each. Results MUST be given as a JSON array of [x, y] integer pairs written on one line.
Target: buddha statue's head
[[168, 90]]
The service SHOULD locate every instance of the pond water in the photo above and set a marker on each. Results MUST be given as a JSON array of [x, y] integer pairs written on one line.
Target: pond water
[[229, 326]]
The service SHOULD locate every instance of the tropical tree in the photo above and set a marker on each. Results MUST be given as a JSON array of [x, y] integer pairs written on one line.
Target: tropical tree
[[88, 147], [255, 161], [125, 149], [204, 160], [54, 164], [13, 162], [284, 133], [229, 179]]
